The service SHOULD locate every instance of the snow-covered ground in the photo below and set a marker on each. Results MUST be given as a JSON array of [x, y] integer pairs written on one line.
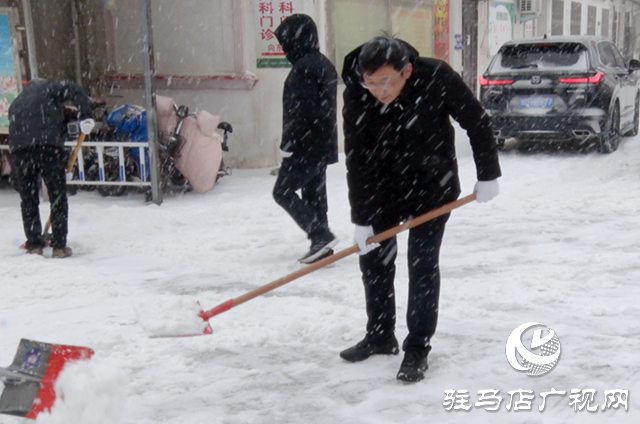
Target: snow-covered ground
[[560, 245]]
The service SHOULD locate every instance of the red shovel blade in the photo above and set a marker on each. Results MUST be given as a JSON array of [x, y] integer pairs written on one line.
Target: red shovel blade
[[30, 383], [207, 329], [175, 327]]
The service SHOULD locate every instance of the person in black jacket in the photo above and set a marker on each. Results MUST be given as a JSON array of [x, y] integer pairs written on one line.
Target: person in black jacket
[[309, 135], [401, 163], [36, 126]]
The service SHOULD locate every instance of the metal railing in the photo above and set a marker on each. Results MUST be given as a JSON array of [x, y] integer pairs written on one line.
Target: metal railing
[[99, 146]]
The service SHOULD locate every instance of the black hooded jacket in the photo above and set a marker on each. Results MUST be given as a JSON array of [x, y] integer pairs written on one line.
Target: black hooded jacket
[[36, 116], [401, 158], [309, 96]]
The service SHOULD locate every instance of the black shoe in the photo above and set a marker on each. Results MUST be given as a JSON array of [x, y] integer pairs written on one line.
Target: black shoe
[[319, 247], [364, 349], [413, 367], [326, 254]]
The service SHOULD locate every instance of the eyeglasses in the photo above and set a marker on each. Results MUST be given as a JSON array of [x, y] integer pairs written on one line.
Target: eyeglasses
[[386, 83]]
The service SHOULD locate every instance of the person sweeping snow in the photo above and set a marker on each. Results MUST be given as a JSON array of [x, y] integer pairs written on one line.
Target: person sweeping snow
[[36, 125], [401, 162]]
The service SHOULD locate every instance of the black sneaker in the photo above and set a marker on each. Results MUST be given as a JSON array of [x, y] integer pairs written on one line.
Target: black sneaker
[[326, 254], [364, 349], [413, 367], [319, 248]]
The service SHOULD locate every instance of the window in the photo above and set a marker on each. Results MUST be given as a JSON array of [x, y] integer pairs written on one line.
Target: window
[[541, 27], [576, 17], [356, 22], [607, 56], [556, 57], [191, 37], [591, 20], [619, 60], [557, 17], [415, 21], [605, 23]]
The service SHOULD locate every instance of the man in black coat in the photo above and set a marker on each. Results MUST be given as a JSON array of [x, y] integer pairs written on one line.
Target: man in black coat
[[36, 127], [401, 163], [309, 135]]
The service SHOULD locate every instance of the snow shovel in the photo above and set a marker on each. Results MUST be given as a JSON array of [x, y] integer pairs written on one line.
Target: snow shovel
[[223, 307], [29, 381], [72, 160]]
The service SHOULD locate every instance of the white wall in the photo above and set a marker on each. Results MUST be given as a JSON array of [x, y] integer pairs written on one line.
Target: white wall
[[256, 114], [455, 27]]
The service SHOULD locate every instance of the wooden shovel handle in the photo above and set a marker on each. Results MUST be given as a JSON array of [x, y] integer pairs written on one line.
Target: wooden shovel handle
[[74, 155], [72, 160], [205, 315]]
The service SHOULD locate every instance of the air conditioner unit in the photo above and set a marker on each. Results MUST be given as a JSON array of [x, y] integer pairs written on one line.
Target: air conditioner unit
[[529, 7]]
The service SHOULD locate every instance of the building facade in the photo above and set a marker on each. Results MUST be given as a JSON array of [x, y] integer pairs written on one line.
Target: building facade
[[518, 19], [221, 55]]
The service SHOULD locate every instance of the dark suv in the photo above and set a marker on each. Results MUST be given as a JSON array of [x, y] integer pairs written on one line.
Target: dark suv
[[567, 88]]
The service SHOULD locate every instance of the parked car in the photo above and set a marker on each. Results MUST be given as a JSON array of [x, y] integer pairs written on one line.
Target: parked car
[[565, 88]]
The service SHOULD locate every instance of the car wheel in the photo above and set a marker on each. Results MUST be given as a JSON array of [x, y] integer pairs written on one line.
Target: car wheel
[[609, 142], [636, 119]]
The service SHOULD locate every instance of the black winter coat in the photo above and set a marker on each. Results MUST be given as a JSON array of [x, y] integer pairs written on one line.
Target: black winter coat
[[401, 159], [309, 96], [36, 116]]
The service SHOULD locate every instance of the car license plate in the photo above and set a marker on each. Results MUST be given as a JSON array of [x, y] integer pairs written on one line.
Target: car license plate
[[536, 102]]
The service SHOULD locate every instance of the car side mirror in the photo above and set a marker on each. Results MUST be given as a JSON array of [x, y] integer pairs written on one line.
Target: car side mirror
[[634, 65]]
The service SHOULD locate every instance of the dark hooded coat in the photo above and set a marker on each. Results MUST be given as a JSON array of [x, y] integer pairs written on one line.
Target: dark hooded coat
[[36, 116], [401, 159], [309, 96]]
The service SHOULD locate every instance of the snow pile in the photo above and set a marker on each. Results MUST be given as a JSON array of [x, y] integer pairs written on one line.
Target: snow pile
[[175, 317], [88, 392]]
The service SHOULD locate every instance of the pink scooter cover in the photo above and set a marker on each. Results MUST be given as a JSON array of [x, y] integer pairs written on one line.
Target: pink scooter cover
[[201, 154]]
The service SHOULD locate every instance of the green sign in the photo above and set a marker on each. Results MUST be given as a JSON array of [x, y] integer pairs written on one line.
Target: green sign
[[274, 63]]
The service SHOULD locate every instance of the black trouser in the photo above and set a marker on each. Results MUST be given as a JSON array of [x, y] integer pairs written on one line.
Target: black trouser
[[378, 272], [310, 210], [47, 162]]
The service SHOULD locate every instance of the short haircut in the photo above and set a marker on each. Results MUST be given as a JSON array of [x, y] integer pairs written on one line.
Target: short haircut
[[382, 51]]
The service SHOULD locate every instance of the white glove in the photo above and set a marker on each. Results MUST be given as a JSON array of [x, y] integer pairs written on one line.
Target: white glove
[[285, 154], [87, 125], [360, 237], [486, 190], [69, 176]]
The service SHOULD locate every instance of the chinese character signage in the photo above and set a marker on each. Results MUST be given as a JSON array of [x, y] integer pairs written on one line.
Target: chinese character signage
[[269, 14], [500, 25], [8, 73]]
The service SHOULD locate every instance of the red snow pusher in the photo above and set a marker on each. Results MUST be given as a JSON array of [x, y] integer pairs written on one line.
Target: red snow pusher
[[223, 307], [29, 381]]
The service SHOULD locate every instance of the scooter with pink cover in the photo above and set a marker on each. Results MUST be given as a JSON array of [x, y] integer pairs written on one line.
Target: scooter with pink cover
[[190, 144]]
